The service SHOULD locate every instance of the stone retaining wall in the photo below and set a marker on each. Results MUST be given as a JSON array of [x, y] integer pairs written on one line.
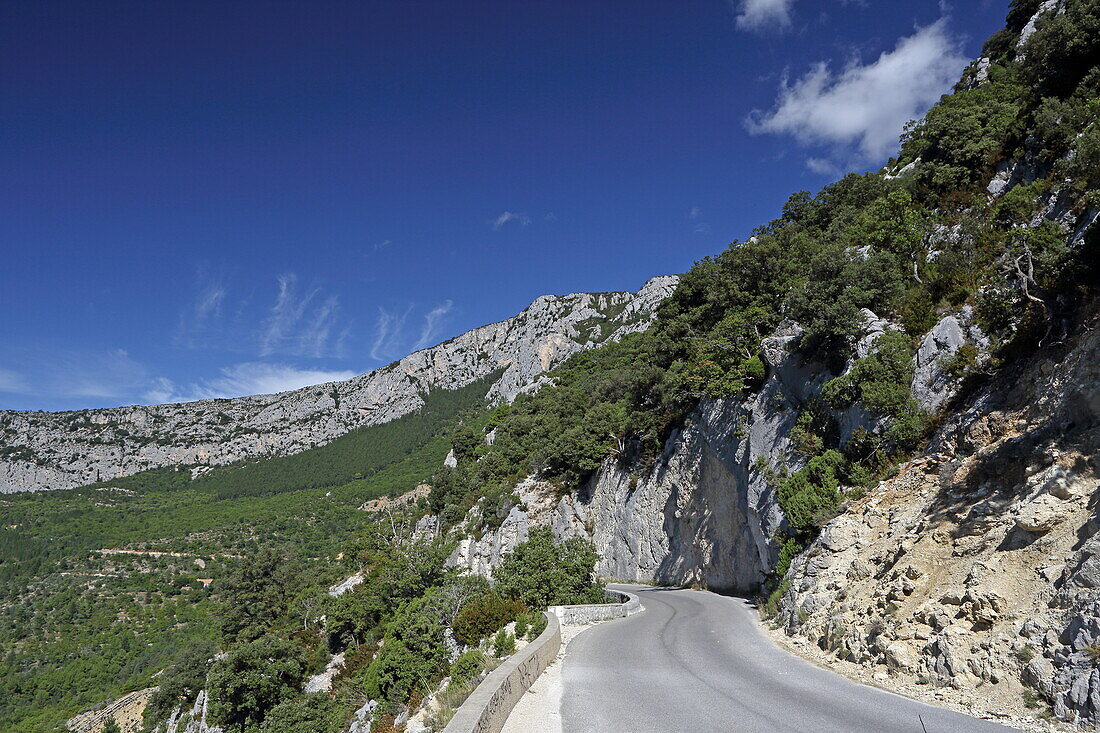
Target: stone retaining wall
[[488, 707], [593, 612]]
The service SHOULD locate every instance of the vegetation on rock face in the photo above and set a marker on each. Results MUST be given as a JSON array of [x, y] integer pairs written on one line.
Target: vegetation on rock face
[[179, 684], [544, 572], [252, 679], [908, 248], [315, 713]]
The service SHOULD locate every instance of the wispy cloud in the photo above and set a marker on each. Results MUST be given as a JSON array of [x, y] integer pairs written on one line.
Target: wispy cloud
[[860, 111], [388, 331], [823, 167], [203, 313], [433, 321], [760, 16], [98, 375], [381, 245], [11, 381], [299, 324], [247, 378], [509, 216], [696, 215]]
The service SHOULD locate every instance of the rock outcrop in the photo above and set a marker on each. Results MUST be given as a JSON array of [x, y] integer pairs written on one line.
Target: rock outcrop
[[60, 450], [978, 566], [126, 711], [705, 512], [934, 380], [191, 720]]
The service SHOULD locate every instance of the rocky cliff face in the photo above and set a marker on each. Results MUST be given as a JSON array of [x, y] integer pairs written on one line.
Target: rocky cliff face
[[705, 513], [61, 450], [978, 566]]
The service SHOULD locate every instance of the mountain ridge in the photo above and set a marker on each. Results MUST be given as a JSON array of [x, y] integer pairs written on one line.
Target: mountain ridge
[[58, 450]]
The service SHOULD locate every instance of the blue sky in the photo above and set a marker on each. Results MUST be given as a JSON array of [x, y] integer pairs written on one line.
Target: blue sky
[[220, 198]]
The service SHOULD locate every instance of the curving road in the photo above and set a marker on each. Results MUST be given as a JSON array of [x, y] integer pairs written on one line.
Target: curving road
[[699, 662]]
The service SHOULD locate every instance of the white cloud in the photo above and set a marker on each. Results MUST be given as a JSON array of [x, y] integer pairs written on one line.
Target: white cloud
[[299, 325], [863, 108], [209, 302], [700, 227], [507, 216], [388, 329], [13, 382], [823, 167], [432, 322], [763, 15], [248, 378], [202, 314], [68, 373]]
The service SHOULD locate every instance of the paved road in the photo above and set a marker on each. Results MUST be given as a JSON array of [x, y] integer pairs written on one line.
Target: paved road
[[697, 662]]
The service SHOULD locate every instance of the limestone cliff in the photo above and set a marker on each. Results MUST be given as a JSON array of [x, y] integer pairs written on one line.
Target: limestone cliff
[[61, 450], [976, 567], [704, 512]]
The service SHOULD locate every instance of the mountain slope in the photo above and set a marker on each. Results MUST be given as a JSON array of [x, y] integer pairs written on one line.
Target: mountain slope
[[62, 450], [908, 471]]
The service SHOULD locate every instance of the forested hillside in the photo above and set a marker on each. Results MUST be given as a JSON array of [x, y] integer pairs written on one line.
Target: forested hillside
[[60, 597]]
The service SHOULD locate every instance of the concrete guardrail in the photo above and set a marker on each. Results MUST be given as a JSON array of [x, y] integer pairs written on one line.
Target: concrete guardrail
[[591, 612], [487, 707]]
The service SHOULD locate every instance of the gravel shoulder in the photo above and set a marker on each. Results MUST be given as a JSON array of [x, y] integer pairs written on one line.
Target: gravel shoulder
[[945, 697], [539, 711]]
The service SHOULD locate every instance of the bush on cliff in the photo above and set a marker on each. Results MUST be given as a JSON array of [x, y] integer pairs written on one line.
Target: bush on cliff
[[253, 679], [543, 572], [483, 615]]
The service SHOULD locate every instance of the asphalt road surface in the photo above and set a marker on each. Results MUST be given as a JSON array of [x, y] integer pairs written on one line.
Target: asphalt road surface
[[695, 662]]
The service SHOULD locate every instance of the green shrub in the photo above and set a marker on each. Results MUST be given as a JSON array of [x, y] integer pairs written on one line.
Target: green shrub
[[252, 680], [959, 139], [469, 665], [755, 372], [530, 624], [881, 382], [413, 654], [1019, 204], [1064, 49], [504, 644], [312, 713], [542, 572], [814, 428], [483, 615], [812, 493]]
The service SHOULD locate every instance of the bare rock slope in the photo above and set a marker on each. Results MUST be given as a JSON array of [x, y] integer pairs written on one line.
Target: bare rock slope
[[60, 450], [977, 568]]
